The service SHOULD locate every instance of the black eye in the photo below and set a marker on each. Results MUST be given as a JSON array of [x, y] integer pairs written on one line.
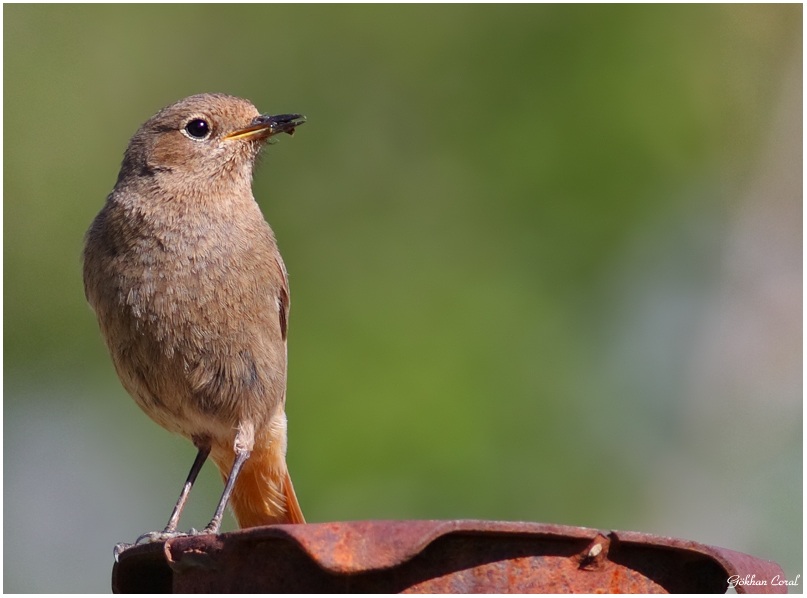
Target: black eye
[[198, 128]]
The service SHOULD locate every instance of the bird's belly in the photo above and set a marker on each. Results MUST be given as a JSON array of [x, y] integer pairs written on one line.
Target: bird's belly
[[196, 371]]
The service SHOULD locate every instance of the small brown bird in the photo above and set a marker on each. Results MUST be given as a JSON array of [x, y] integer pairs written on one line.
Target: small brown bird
[[192, 299]]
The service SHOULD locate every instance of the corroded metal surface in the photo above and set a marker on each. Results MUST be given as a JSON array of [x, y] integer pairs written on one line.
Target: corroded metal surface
[[435, 557]]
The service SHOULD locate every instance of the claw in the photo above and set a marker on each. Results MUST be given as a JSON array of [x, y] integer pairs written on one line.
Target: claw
[[119, 548]]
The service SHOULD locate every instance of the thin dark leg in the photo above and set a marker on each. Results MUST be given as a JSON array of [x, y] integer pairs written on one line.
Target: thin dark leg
[[201, 457], [170, 529], [240, 458]]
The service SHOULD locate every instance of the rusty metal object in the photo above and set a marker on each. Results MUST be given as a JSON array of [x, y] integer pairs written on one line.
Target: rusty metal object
[[434, 557]]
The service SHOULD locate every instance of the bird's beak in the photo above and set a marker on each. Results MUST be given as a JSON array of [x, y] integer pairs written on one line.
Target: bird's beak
[[265, 126]]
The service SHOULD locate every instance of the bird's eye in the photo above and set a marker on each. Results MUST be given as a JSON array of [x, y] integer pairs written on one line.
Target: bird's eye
[[198, 128]]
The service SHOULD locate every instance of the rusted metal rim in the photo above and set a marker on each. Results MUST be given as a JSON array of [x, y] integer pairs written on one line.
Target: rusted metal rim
[[457, 556]]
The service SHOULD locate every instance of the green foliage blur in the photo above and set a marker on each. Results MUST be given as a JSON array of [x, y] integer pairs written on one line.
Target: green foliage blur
[[545, 265]]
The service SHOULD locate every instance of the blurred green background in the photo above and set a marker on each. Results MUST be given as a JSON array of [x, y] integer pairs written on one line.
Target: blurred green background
[[545, 265]]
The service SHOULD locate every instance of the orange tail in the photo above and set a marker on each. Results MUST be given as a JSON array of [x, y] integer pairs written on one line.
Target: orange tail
[[263, 493]]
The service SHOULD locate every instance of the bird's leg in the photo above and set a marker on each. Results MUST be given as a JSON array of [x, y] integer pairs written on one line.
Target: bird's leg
[[170, 530], [244, 441], [201, 457], [241, 457]]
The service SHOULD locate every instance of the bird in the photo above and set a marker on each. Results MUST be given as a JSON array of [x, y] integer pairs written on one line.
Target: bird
[[192, 300]]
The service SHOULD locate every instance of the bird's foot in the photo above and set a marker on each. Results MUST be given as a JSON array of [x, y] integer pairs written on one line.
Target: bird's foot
[[148, 538], [166, 534]]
